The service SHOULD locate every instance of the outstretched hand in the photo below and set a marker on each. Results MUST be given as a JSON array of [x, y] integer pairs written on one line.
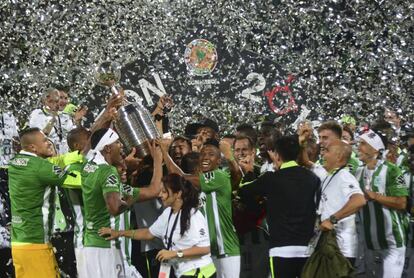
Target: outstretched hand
[[108, 233], [247, 163], [226, 149], [155, 151], [132, 162], [165, 255]]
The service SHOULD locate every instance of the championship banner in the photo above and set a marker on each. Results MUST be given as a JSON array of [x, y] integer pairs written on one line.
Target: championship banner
[[204, 75]]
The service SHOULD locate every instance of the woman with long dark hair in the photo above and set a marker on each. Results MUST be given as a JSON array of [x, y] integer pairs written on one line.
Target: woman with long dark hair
[[182, 228]]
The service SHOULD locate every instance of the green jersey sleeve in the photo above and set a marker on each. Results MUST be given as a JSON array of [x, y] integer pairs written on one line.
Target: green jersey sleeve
[[396, 185], [51, 174], [214, 180], [111, 181]]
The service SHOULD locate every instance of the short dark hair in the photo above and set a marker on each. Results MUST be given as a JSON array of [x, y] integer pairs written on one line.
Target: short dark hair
[[249, 131], [243, 137], [212, 142], [97, 136], [349, 130], [73, 136], [332, 126], [287, 147], [182, 138], [28, 131], [25, 134], [189, 162], [269, 129]]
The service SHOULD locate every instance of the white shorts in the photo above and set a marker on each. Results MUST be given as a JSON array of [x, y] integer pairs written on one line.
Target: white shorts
[[131, 271], [100, 262], [80, 261], [392, 262], [228, 267]]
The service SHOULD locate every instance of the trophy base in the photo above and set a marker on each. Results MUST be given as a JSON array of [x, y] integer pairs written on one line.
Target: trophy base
[[142, 150]]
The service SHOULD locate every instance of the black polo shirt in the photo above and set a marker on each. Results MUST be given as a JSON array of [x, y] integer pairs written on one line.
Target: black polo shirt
[[291, 194]]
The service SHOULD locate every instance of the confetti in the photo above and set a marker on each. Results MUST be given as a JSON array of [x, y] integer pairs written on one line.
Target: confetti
[[349, 57]]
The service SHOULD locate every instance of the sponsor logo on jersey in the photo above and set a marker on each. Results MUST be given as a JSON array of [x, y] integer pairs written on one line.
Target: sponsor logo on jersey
[[20, 161], [89, 225], [401, 182], [202, 232], [209, 176], [16, 219], [57, 170], [111, 181], [127, 189], [89, 168]]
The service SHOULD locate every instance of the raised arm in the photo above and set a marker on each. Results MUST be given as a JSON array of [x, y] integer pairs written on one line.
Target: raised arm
[[235, 170], [153, 190], [173, 168], [140, 234]]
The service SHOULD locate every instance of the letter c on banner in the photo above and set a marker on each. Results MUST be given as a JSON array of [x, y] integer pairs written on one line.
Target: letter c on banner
[[290, 104]]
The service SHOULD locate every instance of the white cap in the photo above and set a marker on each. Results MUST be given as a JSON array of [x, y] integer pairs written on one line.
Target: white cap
[[373, 139]]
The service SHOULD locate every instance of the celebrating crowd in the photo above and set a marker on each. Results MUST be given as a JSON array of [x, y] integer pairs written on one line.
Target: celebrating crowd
[[326, 200]]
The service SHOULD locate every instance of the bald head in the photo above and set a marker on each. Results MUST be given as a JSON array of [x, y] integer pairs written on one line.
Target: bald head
[[28, 137], [33, 140], [342, 149]]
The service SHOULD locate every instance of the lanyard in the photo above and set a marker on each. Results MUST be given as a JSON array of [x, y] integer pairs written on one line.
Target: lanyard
[[323, 189], [58, 130], [172, 228], [3, 127]]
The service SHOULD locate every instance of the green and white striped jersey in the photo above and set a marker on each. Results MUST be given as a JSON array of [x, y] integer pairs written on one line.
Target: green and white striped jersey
[[32, 182], [384, 228], [218, 209]]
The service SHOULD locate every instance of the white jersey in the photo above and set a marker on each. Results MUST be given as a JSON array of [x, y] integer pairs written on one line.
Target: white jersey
[[337, 189], [40, 118], [8, 130], [196, 235]]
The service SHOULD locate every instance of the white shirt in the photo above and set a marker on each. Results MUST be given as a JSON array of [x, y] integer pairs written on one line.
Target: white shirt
[[196, 235], [337, 189], [39, 118], [8, 130]]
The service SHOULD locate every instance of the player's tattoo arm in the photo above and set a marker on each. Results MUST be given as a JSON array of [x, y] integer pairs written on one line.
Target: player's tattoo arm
[[114, 203]]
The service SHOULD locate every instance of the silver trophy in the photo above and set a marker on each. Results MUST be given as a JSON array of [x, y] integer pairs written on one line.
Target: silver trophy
[[134, 124], [108, 74], [136, 127]]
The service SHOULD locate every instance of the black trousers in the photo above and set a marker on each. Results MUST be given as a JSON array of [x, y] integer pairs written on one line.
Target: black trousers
[[287, 267], [65, 253], [6, 264], [145, 263]]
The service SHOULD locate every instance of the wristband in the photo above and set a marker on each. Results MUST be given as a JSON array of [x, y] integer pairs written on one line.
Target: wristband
[[133, 234]]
